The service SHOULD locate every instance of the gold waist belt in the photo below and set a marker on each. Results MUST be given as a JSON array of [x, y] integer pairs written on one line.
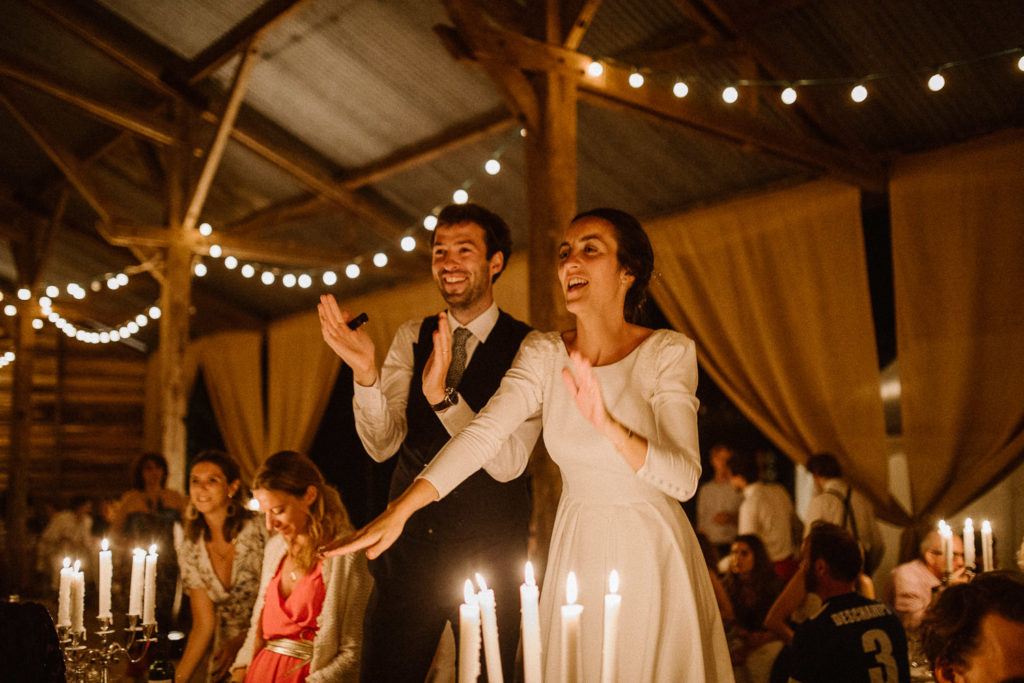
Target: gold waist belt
[[300, 649]]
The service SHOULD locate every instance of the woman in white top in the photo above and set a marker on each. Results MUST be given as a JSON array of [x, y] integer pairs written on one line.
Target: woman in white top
[[619, 412]]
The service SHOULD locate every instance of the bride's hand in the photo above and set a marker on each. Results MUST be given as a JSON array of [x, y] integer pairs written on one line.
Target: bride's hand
[[381, 533], [586, 390]]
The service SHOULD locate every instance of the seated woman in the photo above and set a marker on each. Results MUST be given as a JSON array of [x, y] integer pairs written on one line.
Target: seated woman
[[307, 624], [752, 586], [220, 561]]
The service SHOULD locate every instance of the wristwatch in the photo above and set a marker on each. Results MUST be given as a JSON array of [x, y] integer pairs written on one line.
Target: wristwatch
[[451, 397]]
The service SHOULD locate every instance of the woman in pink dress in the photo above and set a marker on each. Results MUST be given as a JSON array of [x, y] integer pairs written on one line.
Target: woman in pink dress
[[307, 621]]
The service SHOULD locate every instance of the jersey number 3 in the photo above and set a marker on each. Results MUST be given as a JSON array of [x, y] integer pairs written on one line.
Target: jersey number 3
[[876, 642]]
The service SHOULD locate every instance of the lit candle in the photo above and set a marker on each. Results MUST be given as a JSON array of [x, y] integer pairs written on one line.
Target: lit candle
[[987, 563], [106, 573], [946, 533], [489, 621], [64, 595], [135, 592], [528, 594], [469, 636], [572, 657], [969, 543], [612, 605], [149, 594], [78, 599]]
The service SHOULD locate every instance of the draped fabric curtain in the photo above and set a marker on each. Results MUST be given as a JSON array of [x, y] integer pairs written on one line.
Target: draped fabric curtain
[[958, 266], [301, 371], [232, 368], [774, 291], [152, 435]]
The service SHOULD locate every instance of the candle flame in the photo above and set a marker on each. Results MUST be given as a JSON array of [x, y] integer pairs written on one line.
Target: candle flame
[[986, 526], [67, 562], [942, 525], [613, 582], [946, 531], [105, 545], [469, 593], [530, 581], [480, 582], [969, 524], [570, 589], [152, 549], [78, 565]]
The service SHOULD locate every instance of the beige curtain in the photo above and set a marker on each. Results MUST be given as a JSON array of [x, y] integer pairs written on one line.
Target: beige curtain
[[231, 365], [958, 260], [301, 370], [774, 290], [152, 430]]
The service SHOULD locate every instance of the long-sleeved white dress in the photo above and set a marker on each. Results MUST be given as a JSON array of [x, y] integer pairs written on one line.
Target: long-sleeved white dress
[[610, 517]]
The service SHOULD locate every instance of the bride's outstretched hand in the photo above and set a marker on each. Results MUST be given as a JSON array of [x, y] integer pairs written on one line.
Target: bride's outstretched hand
[[586, 390]]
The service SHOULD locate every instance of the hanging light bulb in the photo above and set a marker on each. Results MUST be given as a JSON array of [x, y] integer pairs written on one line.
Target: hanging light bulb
[[155, 312], [37, 323], [788, 96], [636, 79], [460, 196], [114, 336], [289, 280], [141, 320], [680, 89], [937, 82], [44, 302], [493, 166], [104, 337], [248, 270], [595, 69], [267, 277], [408, 243], [122, 279], [730, 95], [112, 283], [430, 222], [352, 271], [380, 259], [859, 93], [230, 262], [24, 294], [205, 229], [53, 291], [305, 281], [215, 250], [133, 327], [79, 293], [330, 278], [199, 269], [10, 310]]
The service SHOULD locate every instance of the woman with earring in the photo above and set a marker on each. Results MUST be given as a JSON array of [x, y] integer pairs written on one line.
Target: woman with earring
[[619, 410], [220, 560], [307, 624]]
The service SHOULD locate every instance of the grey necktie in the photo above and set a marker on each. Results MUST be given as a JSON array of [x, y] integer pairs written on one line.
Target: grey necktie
[[458, 364]]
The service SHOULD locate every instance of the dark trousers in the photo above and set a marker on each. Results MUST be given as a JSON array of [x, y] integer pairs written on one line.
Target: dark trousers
[[419, 588]]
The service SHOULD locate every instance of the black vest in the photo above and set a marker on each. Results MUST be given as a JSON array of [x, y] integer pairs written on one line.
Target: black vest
[[480, 507]]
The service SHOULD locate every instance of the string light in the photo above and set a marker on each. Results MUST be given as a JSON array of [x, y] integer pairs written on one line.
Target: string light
[[305, 281], [1020, 64], [205, 229], [408, 243], [10, 310], [267, 277], [380, 259], [289, 280], [330, 278], [24, 294], [493, 167], [936, 83], [248, 270], [6, 359], [859, 93], [788, 96], [460, 196], [155, 312], [352, 271], [595, 69], [730, 95], [680, 89], [430, 222], [636, 79], [53, 291], [199, 269], [37, 324], [215, 250], [230, 262]]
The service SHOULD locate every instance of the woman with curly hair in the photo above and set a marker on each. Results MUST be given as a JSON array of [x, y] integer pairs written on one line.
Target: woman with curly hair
[[220, 561], [752, 586], [308, 619]]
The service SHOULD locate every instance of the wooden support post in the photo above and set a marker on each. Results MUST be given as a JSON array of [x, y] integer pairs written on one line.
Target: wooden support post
[[551, 204], [19, 461]]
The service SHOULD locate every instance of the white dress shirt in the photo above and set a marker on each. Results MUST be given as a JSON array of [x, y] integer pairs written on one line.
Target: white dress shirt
[[380, 408], [829, 507], [768, 512]]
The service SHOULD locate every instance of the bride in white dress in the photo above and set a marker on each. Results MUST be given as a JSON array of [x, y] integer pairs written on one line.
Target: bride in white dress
[[620, 419]]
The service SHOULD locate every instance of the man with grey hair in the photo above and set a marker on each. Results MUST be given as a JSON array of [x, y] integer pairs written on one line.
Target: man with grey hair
[[913, 582]]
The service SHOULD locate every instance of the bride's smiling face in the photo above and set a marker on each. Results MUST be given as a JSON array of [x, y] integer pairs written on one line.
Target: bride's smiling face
[[588, 266]]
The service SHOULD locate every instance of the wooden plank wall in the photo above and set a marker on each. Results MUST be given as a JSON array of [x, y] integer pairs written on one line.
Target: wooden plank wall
[[87, 418]]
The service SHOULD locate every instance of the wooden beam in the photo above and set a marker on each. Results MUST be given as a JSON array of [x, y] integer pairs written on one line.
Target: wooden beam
[[220, 139], [578, 25], [259, 22], [69, 165], [121, 115]]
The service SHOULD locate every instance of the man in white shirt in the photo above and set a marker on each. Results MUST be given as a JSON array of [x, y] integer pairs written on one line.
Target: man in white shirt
[[766, 510], [439, 372], [718, 502], [839, 503]]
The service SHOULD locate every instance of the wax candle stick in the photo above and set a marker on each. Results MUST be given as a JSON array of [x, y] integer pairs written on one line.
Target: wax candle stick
[[78, 599], [136, 590], [572, 657], [609, 649], [528, 595], [489, 622], [969, 543], [149, 594], [106, 574], [64, 595], [987, 560], [469, 636], [946, 534]]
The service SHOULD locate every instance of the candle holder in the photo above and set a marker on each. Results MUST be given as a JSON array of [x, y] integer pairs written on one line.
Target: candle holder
[[79, 659]]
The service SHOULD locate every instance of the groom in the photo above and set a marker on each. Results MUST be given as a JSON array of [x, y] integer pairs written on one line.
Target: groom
[[439, 372]]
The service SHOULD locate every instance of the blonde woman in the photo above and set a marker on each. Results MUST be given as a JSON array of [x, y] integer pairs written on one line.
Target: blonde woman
[[308, 619]]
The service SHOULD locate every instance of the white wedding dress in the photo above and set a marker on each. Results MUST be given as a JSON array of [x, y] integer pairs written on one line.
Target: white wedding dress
[[610, 517]]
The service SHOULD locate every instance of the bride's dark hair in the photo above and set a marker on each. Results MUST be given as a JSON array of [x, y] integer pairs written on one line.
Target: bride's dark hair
[[635, 256]]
